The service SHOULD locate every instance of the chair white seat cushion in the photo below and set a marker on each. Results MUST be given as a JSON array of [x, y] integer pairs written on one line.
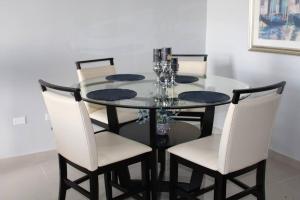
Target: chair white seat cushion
[[203, 151], [112, 148], [124, 115]]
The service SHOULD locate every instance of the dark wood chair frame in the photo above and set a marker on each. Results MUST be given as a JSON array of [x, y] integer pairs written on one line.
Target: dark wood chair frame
[[219, 186], [78, 63], [111, 62], [92, 176]]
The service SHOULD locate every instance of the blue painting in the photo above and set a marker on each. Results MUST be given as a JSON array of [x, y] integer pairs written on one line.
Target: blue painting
[[279, 20]]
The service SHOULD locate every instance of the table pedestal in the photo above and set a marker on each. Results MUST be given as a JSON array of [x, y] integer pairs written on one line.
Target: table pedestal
[[180, 132], [146, 133]]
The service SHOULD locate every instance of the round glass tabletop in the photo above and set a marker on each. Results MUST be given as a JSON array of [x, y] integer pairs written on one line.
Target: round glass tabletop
[[151, 95]]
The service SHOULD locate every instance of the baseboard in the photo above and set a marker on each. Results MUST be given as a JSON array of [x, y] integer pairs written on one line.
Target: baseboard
[[285, 159]]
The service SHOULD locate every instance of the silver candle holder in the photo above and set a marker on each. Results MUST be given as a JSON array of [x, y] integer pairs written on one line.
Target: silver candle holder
[[157, 68], [174, 70], [164, 66]]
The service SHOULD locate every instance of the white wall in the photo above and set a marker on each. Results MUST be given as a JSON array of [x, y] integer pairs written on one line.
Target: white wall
[[43, 39], [227, 47]]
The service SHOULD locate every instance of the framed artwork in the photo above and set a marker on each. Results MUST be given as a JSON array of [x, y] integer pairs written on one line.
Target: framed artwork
[[275, 26]]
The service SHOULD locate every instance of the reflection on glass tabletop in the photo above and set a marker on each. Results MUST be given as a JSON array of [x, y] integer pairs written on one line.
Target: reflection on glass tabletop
[[152, 95]]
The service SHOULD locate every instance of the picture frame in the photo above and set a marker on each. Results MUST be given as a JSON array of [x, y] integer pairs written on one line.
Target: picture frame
[[274, 26]]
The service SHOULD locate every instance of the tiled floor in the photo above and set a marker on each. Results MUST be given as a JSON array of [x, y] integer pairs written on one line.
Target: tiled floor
[[35, 177]]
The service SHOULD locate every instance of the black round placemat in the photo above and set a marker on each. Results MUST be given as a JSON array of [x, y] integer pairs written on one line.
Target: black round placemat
[[125, 77], [185, 79], [203, 96], [111, 94]]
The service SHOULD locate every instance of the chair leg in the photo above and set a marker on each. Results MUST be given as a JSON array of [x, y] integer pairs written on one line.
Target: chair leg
[[146, 179], [114, 177], [108, 186], [220, 187], [153, 176], [260, 180], [173, 177], [62, 177], [94, 187], [162, 161]]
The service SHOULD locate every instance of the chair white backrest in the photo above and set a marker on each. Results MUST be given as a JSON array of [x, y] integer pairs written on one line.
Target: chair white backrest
[[94, 72], [247, 132], [72, 128], [196, 67]]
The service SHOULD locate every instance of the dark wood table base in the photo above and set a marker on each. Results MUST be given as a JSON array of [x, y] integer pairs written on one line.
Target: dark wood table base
[[146, 133]]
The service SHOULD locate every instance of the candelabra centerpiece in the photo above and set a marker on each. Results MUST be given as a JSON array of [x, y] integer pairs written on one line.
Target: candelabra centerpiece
[[157, 68], [162, 100], [165, 66]]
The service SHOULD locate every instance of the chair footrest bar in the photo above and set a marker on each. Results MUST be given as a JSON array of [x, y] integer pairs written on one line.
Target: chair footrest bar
[[204, 190], [183, 188], [243, 193], [125, 190], [186, 187], [127, 194], [241, 184], [76, 187], [80, 180]]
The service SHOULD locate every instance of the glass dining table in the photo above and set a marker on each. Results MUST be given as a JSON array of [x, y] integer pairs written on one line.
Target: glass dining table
[[150, 96]]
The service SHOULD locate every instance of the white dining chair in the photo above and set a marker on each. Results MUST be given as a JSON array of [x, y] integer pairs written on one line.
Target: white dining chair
[[90, 153], [194, 65], [99, 68], [242, 146]]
